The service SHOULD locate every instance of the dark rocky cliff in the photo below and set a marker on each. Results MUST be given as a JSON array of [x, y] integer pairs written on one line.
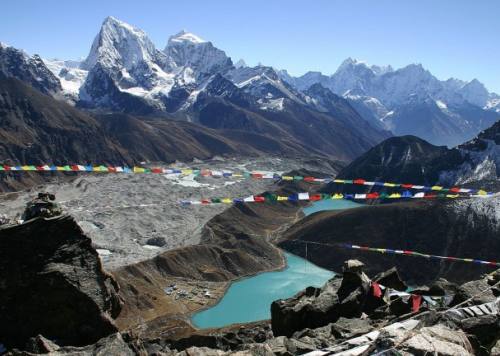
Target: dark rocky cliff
[[52, 283]]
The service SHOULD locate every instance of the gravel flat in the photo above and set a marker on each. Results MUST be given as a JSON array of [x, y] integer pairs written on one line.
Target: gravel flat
[[132, 217]]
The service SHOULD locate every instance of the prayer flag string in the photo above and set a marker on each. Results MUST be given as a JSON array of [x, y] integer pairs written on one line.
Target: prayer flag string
[[224, 173], [410, 253]]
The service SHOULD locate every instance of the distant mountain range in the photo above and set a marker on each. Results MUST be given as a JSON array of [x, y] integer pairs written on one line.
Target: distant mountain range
[[410, 100], [191, 80]]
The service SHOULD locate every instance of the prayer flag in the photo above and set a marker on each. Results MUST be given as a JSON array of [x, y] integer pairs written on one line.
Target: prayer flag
[[303, 196], [416, 301], [377, 292], [249, 199]]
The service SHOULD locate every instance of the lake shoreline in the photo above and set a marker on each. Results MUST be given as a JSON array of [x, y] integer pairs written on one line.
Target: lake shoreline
[[283, 265], [245, 291], [309, 209]]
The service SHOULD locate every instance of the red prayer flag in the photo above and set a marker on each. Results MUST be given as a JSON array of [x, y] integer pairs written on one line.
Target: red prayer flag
[[315, 197], [259, 199], [407, 186], [257, 175], [74, 168], [430, 196], [377, 292], [6, 168], [416, 301], [455, 190], [359, 181], [372, 195], [39, 168], [156, 170], [309, 179], [205, 201], [111, 169]]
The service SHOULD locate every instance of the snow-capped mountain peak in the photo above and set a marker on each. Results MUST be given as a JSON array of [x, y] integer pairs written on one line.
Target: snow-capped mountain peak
[[188, 50], [119, 44], [240, 64], [475, 93], [184, 36]]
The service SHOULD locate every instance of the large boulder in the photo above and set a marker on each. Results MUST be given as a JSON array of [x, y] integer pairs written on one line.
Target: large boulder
[[347, 296], [52, 283], [436, 340]]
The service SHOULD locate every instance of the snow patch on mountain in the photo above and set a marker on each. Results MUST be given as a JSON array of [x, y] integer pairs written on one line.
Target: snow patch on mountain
[[272, 104], [70, 75], [493, 104], [441, 104]]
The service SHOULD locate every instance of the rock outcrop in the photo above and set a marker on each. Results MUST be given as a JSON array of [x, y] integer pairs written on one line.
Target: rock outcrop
[[471, 328], [52, 283], [347, 296]]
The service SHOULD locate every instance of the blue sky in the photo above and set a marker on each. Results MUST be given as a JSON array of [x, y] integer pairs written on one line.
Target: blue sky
[[457, 38]]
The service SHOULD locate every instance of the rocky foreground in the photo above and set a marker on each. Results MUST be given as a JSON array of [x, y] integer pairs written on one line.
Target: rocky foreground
[[66, 303]]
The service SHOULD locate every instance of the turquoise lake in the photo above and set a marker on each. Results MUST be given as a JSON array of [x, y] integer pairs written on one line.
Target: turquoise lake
[[330, 205], [250, 299]]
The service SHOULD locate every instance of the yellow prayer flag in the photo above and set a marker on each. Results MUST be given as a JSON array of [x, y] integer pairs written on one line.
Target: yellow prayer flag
[[280, 198]]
